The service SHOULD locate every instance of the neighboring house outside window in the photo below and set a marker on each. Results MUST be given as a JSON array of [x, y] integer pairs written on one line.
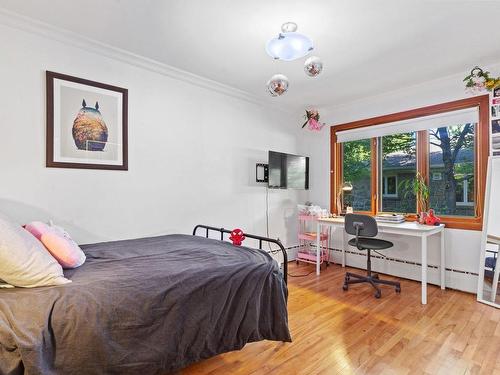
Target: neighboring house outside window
[[402, 168]]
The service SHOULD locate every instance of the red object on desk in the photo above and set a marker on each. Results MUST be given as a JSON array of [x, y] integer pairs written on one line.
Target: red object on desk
[[432, 219], [237, 236]]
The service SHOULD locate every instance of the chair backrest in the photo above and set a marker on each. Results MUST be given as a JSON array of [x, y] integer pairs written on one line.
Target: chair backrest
[[367, 225]]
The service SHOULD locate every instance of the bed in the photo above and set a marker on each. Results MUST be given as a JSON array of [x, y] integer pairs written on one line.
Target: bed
[[146, 306]]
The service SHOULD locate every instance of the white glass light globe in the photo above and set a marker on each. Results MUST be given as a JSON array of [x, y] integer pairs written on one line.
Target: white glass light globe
[[289, 46]]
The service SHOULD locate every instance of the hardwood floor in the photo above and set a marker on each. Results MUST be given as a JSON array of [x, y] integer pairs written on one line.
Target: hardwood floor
[[337, 332]]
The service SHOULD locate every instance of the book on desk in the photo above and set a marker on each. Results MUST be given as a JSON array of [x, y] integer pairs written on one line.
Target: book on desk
[[390, 218]]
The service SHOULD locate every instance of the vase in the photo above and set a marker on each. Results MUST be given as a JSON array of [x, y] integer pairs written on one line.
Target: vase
[[422, 217]]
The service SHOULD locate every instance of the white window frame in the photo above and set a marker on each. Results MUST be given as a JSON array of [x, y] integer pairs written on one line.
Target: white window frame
[[385, 185], [465, 189]]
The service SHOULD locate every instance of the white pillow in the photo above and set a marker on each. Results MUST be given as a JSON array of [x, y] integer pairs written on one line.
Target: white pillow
[[24, 261]]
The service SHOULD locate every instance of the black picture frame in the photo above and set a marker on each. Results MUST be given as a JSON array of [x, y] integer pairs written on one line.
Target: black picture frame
[[51, 161]]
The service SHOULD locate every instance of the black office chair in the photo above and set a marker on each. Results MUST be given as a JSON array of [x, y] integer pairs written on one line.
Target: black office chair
[[364, 227]]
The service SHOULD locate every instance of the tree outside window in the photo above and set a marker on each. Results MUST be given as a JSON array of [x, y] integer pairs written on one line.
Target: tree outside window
[[452, 155], [357, 157], [451, 171]]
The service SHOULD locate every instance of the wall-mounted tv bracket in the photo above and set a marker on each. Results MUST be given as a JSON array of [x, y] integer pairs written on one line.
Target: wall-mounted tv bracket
[[261, 172]]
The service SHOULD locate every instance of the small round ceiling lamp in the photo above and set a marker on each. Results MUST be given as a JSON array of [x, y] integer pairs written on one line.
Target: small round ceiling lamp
[[277, 85], [289, 45], [313, 66]]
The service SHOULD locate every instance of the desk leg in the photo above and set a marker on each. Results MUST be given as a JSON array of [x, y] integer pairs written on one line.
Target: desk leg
[[443, 263], [424, 269], [344, 246], [318, 247]]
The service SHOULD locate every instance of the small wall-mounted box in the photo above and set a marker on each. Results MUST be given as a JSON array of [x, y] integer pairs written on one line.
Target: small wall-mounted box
[[261, 172]]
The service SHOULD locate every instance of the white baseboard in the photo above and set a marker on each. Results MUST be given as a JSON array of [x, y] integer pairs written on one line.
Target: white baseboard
[[455, 279]]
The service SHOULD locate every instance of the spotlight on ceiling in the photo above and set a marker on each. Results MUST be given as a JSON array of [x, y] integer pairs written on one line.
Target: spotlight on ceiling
[[289, 45]]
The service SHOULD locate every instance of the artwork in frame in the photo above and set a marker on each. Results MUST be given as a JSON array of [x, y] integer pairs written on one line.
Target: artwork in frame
[[86, 124]]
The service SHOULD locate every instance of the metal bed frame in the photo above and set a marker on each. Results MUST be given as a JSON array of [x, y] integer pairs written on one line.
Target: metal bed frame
[[261, 239]]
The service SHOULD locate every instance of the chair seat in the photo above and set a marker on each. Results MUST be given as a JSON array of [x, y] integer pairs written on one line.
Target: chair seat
[[371, 243]]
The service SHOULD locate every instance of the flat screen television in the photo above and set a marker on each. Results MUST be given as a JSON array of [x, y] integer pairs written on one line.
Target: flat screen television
[[288, 171]]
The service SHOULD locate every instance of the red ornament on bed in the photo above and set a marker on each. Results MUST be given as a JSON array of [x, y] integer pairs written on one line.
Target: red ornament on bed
[[237, 236]]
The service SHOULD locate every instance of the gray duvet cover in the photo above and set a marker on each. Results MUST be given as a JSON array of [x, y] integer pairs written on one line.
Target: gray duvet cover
[[145, 306]]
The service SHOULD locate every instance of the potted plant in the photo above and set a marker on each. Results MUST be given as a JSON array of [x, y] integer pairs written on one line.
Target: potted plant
[[419, 188]]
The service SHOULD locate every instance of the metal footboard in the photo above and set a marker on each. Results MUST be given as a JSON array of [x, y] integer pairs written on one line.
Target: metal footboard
[[261, 239]]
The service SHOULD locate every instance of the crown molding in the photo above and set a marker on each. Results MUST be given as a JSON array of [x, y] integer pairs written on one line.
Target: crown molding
[[31, 25]]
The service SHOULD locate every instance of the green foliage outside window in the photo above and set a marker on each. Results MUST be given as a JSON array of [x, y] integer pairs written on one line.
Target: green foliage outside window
[[451, 156]]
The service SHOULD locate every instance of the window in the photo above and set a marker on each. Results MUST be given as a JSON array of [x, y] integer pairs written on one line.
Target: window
[[446, 144], [452, 154], [357, 156], [437, 176], [465, 191], [390, 186]]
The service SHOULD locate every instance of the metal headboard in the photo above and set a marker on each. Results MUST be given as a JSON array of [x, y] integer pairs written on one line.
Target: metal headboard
[[261, 239]]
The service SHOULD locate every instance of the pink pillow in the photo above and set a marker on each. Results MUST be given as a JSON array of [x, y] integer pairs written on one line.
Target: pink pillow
[[58, 243]]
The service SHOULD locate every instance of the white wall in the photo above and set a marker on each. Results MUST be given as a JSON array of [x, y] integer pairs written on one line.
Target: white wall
[[192, 152], [462, 246]]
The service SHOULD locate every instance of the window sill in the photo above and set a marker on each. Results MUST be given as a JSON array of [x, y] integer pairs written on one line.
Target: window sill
[[456, 222], [450, 222]]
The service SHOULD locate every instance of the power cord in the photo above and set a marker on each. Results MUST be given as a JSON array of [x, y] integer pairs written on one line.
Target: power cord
[[304, 275], [267, 223], [268, 236]]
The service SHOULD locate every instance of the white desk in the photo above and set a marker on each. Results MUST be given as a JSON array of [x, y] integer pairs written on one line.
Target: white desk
[[412, 229]]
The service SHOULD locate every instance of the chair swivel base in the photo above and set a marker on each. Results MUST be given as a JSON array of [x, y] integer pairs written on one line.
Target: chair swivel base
[[372, 279]]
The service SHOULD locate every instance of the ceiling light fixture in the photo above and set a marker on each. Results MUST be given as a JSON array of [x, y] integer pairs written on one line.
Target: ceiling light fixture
[[277, 85], [289, 44]]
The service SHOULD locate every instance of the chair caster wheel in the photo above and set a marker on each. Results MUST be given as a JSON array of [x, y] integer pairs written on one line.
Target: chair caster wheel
[[398, 289], [297, 262], [378, 294], [375, 276], [345, 287]]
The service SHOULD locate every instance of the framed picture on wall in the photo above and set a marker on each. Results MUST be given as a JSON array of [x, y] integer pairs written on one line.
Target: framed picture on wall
[[86, 124]]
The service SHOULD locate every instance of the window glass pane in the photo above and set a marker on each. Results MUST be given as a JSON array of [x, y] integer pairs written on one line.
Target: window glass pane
[[398, 170], [357, 171], [452, 156]]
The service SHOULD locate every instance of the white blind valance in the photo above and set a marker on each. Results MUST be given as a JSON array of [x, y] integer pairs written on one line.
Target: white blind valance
[[459, 117]]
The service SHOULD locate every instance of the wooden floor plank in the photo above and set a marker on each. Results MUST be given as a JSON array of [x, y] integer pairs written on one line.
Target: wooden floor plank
[[337, 332]]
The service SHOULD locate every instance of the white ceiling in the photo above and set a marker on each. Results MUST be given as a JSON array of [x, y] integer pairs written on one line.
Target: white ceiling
[[367, 46]]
